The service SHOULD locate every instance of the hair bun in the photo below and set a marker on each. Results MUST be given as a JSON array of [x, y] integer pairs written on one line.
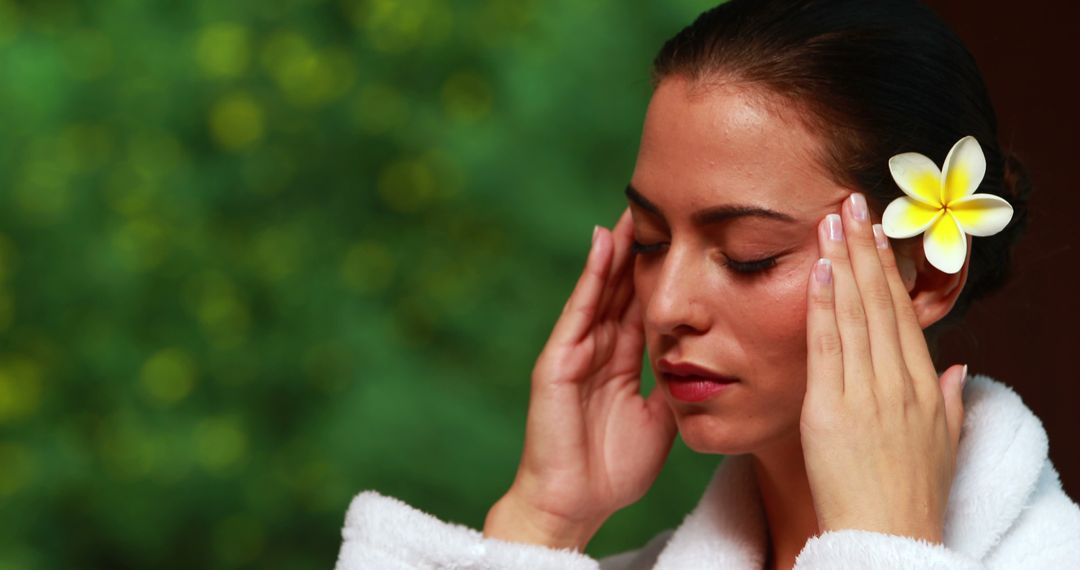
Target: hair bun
[[992, 255], [1016, 188], [1015, 182]]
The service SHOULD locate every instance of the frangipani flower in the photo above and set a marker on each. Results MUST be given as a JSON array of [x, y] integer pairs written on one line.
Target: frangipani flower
[[943, 203]]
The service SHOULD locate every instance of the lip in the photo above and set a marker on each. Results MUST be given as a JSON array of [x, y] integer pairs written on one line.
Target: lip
[[691, 370], [692, 383]]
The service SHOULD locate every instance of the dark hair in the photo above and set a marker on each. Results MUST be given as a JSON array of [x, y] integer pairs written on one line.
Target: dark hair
[[874, 79]]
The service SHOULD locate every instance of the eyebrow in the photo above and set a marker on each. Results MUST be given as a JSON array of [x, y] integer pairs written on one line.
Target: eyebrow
[[714, 214]]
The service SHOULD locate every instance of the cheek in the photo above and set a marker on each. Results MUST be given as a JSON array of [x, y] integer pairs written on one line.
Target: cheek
[[774, 343], [774, 317]]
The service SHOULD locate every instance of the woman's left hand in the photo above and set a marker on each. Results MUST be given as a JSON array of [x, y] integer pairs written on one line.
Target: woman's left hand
[[879, 428]]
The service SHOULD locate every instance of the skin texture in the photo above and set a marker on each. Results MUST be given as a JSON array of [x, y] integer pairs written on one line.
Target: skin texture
[[594, 444]]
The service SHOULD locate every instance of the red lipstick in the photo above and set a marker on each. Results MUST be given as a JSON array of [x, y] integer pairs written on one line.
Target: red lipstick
[[691, 382]]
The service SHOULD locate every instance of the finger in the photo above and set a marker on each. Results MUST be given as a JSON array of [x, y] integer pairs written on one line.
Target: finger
[[848, 308], [617, 292], [581, 308], [916, 354], [952, 385], [631, 330], [824, 353], [891, 376]]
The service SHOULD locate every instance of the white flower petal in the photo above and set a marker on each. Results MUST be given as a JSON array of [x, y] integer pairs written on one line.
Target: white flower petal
[[963, 170], [981, 214], [945, 244], [917, 176], [905, 217]]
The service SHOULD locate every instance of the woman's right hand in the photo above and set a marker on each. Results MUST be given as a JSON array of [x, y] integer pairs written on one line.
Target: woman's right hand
[[593, 444]]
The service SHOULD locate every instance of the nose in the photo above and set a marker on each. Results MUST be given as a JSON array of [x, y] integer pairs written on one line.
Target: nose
[[676, 305]]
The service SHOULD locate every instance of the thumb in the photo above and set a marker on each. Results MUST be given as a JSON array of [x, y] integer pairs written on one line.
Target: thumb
[[952, 384]]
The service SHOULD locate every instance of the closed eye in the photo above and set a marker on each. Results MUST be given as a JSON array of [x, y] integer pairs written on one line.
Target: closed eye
[[637, 247], [754, 266], [737, 266]]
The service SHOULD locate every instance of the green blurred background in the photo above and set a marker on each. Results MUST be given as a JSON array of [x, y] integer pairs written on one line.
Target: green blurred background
[[256, 257]]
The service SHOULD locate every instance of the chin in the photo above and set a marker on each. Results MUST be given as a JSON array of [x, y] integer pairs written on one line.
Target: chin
[[712, 435]]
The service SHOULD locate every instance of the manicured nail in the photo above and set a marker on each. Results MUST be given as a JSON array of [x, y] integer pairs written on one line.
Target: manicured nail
[[858, 206], [595, 230], [879, 237], [963, 376], [823, 270], [832, 223]]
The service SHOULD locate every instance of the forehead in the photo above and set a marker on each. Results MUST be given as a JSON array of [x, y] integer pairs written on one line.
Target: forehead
[[726, 143]]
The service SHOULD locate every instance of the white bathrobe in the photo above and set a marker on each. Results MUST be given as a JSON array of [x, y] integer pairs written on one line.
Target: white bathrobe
[[1007, 509]]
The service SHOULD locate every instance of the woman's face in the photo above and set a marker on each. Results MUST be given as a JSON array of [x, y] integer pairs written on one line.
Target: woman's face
[[721, 147]]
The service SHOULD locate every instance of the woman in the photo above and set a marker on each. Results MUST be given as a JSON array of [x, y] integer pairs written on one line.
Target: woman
[[777, 133]]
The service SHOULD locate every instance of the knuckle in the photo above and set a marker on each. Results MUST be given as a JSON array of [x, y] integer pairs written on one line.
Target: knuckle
[[864, 239], [931, 400], [869, 411], [906, 317], [878, 294], [587, 311], [912, 404], [840, 259], [553, 368], [596, 272], [935, 407], [822, 301], [542, 371], [888, 260], [829, 344], [898, 401], [850, 312]]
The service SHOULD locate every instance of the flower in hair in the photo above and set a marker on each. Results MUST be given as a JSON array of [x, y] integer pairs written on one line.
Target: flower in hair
[[943, 203]]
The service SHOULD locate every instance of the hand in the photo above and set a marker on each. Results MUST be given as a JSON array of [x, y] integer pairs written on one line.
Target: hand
[[593, 444], [879, 428]]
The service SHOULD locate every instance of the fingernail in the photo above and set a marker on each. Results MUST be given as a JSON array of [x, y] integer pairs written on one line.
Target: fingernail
[[858, 206], [832, 223], [595, 230], [879, 237], [823, 270], [963, 376]]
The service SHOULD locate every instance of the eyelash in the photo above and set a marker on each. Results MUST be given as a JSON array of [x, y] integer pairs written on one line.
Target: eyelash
[[744, 267]]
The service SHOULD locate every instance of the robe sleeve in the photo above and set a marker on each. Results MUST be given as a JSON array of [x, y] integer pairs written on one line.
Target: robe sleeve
[[855, 549], [386, 533], [1047, 532]]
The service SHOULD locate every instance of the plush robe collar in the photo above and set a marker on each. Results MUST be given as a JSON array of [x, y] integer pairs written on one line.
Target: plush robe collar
[[1002, 450]]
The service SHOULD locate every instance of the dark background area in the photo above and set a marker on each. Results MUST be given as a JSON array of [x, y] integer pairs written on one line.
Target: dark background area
[[1026, 334]]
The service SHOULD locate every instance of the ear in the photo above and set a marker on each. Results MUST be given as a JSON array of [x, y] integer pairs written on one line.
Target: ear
[[933, 292]]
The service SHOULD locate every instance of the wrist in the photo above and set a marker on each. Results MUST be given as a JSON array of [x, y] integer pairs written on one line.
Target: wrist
[[931, 533], [512, 520]]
